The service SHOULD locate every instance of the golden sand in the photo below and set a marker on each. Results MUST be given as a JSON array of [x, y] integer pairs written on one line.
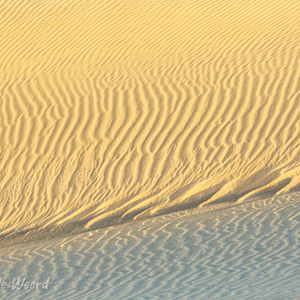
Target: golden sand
[[115, 110]]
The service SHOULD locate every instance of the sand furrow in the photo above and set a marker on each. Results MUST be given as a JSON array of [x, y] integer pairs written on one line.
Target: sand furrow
[[111, 111]]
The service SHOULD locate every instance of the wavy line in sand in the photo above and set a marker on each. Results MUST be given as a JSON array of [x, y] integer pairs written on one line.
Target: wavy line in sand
[[111, 111], [248, 251]]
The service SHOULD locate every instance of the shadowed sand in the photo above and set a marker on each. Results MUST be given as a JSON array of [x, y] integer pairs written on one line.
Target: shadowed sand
[[246, 251], [118, 110]]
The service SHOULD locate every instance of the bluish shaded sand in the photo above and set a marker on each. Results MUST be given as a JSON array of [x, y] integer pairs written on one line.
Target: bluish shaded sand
[[246, 251]]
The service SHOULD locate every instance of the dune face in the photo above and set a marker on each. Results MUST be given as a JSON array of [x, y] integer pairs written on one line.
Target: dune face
[[117, 110]]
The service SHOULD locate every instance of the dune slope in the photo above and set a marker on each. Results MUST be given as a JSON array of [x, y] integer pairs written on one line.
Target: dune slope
[[116, 110]]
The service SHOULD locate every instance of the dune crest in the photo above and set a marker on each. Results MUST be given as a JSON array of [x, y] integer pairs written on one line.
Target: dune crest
[[248, 251], [112, 111]]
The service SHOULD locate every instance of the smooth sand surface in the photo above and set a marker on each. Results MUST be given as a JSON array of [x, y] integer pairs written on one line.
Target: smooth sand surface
[[118, 110], [248, 251]]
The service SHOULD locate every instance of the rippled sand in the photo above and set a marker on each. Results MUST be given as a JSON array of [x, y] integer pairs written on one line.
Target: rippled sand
[[118, 110], [249, 251]]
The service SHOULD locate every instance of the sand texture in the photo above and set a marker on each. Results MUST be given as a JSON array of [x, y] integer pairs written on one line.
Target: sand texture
[[250, 251], [118, 110]]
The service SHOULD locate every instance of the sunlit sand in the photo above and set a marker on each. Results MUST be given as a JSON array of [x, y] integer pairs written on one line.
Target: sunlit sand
[[118, 111]]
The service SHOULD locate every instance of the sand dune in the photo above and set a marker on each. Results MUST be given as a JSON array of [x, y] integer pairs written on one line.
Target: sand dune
[[117, 110], [249, 251]]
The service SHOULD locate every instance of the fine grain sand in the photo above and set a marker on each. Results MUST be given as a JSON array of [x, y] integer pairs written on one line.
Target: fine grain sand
[[112, 111], [249, 251]]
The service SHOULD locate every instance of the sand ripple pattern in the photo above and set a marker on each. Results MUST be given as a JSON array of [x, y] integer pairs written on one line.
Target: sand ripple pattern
[[115, 110], [250, 251]]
